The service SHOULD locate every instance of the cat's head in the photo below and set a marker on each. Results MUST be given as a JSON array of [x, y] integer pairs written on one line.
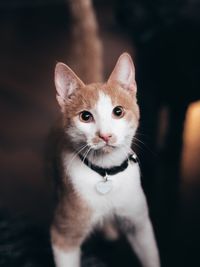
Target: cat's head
[[103, 116]]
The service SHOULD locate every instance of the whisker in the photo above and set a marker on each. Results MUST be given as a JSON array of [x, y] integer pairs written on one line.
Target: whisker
[[138, 140], [86, 154], [138, 133], [145, 146], [76, 154], [134, 143]]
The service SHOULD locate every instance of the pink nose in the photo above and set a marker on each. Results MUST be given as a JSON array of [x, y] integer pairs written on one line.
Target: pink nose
[[105, 137]]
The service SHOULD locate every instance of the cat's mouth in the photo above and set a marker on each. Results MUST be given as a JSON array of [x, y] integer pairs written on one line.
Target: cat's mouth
[[106, 147]]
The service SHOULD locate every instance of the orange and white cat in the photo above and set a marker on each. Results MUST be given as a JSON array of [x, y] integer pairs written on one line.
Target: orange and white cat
[[99, 177]]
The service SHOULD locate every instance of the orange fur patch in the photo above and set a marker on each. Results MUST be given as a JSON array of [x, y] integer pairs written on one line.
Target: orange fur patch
[[86, 97], [71, 221]]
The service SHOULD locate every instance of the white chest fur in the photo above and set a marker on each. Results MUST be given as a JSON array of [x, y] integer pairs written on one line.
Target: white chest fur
[[125, 192]]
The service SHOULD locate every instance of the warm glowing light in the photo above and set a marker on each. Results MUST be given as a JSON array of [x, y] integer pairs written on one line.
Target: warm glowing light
[[191, 146]]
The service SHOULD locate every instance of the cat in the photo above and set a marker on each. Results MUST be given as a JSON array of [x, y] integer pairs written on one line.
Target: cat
[[98, 176]]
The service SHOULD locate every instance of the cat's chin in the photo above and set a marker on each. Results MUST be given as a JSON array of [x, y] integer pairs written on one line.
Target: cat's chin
[[107, 149]]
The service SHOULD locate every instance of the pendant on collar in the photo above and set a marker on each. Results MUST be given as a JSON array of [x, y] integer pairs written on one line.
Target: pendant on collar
[[105, 186]]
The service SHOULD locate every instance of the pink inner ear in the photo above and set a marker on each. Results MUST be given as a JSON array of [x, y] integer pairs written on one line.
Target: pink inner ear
[[124, 72], [66, 82]]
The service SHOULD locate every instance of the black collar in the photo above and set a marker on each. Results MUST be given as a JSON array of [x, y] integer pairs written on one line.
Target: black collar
[[109, 171]]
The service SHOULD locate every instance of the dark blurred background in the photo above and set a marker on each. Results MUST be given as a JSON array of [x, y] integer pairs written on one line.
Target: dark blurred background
[[164, 40]]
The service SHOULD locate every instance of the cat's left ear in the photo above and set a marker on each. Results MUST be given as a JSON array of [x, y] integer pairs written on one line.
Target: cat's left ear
[[66, 82], [124, 73]]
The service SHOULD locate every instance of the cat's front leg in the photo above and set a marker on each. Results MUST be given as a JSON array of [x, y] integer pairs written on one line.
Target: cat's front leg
[[66, 257], [141, 238], [66, 250]]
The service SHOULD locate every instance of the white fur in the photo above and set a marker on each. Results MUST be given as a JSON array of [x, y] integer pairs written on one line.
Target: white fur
[[84, 181], [105, 123], [65, 259], [126, 199]]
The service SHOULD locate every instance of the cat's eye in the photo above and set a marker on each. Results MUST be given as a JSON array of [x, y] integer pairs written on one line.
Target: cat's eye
[[118, 112], [86, 116]]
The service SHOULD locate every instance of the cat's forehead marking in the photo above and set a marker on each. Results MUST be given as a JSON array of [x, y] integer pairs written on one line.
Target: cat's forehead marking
[[104, 102], [89, 94], [114, 94], [101, 95]]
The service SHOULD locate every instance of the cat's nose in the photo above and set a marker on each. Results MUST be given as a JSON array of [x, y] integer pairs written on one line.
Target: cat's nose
[[105, 136]]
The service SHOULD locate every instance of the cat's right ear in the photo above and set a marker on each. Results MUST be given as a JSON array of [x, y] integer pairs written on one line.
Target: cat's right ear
[[124, 73], [66, 82]]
